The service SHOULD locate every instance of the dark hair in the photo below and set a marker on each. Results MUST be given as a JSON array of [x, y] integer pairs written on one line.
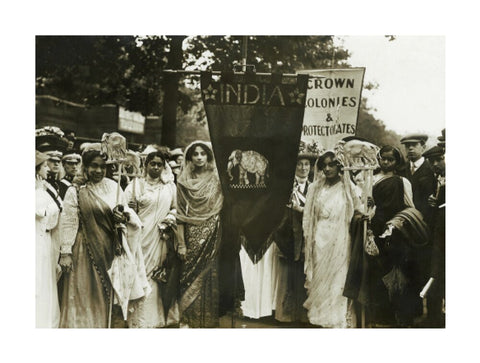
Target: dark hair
[[205, 148], [153, 154], [328, 154], [88, 156], [399, 159]]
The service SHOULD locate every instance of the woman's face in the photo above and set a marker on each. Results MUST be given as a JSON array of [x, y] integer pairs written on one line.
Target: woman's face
[[303, 168], [154, 167], [387, 161], [96, 170], [330, 168], [43, 170], [199, 157]]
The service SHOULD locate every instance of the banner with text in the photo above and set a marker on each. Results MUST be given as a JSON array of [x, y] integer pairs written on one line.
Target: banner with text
[[332, 105], [255, 124]]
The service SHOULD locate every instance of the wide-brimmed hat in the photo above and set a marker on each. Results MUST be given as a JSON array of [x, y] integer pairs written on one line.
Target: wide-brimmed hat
[[308, 150], [50, 138]]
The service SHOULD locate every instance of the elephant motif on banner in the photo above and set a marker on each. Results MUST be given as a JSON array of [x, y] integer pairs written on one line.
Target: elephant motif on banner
[[247, 162]]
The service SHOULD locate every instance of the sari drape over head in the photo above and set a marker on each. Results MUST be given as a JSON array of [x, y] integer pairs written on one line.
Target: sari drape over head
[[199, 202]]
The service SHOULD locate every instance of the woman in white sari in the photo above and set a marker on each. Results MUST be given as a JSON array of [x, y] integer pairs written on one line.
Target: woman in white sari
[[329, 208], [47, 210], [154, 197]]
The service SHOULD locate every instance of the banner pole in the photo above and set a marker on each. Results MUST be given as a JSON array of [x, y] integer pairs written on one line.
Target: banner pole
[[244, 51]]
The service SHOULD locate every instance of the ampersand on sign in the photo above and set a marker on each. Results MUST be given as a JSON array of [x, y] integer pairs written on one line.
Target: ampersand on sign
[[329, 117]]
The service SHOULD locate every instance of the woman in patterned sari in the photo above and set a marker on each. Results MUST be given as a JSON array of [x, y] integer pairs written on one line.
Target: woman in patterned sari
[[100, 251], [199, 202]]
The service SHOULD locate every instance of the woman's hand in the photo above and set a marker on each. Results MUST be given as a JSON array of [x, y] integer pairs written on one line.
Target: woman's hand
[[119, 215], [134, 205], [66, 262], [181, 247], [365, 217], [432, 201]]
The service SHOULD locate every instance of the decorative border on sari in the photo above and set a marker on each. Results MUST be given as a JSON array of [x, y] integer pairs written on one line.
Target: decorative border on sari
[[107, 286], [191, 293]]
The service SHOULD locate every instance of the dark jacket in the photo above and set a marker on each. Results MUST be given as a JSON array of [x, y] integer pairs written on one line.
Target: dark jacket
[[289, 235], [423, 185]]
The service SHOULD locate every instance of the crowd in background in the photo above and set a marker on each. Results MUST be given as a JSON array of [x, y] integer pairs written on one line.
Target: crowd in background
[[140, 248]]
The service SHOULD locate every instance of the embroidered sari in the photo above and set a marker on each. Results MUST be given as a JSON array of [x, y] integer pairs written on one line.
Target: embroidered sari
[[199, 202]]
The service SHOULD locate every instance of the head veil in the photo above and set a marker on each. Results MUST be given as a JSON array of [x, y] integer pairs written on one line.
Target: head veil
[[312, 210], [198, 197]]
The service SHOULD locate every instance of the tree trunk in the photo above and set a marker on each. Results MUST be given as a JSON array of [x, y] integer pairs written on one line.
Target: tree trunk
[[170, 100]]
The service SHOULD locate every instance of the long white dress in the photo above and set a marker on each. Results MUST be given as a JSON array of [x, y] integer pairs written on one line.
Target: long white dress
[[46, 295], [327, 257], [259, 283], [156, 203]]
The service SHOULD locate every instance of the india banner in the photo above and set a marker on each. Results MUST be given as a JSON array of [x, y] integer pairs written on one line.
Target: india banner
[[332, 105], [255, 123]]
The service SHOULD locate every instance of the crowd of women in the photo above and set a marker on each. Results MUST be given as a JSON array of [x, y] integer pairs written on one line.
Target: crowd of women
[[146, 255]]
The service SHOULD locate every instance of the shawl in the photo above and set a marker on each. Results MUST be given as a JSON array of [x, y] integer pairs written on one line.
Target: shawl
[[388, 194], [411, 225], [198, 198]]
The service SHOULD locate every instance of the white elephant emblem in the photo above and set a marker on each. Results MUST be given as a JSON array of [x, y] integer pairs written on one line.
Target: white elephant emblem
[[248, 161]]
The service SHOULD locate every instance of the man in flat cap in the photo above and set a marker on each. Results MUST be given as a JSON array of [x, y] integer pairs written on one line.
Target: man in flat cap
[[71, 163], [54, 162], [436, 293], [419, 173]]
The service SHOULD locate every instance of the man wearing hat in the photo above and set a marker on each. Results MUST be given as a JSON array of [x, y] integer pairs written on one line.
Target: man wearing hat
[[71, 163], [419, 172], [53, 162], [436, 293]]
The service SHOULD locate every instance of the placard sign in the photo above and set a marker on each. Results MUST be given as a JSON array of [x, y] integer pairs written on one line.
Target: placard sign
[[332, 105]]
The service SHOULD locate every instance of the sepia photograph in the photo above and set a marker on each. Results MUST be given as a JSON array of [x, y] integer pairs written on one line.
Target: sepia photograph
[[247, 181], [240, 181]]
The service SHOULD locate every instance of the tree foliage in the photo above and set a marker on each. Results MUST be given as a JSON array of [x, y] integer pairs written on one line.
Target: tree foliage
[[127, 70], [285, 54], [96, 70]]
